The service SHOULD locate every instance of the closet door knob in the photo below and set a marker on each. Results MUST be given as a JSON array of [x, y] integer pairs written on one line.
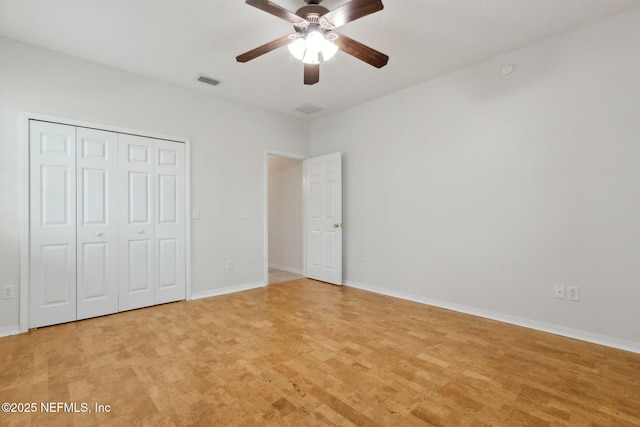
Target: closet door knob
[[98, 234], [140, 231]]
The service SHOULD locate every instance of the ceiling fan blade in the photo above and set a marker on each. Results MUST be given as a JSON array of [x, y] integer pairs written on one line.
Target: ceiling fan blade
[[275, 10], [362, 52], [265, 48], [311, 74], [353, 10]]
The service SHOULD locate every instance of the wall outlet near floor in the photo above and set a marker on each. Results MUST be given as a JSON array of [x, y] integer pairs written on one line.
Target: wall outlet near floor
[[8, 292], [573, 293], [229, 265], [365, 263], [558, 291]]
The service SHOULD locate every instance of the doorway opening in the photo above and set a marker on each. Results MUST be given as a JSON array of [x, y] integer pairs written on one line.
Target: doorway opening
[[284, 225]]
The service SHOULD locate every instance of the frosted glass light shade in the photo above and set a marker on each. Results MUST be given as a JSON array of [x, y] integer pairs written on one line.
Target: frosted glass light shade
[[328, 50], [314, 41], [297, 48], [308, 49], [311, 57]]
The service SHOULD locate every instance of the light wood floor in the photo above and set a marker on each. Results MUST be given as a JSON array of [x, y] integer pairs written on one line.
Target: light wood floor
[[279, 276], [305, 353]]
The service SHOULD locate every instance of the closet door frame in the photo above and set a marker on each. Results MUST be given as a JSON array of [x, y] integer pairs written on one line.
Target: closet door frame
[[25, 119]]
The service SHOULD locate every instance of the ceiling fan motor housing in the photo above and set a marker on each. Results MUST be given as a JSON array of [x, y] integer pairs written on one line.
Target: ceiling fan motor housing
[[311, 10]]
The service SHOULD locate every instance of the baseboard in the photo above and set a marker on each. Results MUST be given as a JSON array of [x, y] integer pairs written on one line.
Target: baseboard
[[227, 290], [5, 331], [506, 318], [287, 269]]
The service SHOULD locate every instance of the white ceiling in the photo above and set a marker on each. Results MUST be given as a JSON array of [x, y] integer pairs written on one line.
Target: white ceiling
[[177, 40]]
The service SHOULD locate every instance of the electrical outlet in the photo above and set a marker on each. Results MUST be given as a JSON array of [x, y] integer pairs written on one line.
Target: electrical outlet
[[229, 265], [195, 214], [365, 263], [8, 292], [559, 291], [573, 293]]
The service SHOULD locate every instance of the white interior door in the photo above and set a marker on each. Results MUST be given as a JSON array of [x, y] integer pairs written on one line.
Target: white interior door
[[136, 220], [52, 223], [170, 222], [97, 215], [323, 183]]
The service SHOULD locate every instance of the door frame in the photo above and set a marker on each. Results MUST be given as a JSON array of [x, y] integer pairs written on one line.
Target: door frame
[[302, 158], [25, 118]]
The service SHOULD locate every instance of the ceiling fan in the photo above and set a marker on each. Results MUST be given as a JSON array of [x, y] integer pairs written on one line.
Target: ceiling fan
[[315, 39]]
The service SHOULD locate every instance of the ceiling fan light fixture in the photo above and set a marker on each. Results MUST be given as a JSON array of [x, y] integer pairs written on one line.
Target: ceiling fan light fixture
[[314, 41], [328, 50], [308, 48], [297, 48], [311, 57]]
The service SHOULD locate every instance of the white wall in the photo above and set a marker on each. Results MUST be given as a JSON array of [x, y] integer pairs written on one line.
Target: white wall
[[285, 213], [227, 141], [483, 192]]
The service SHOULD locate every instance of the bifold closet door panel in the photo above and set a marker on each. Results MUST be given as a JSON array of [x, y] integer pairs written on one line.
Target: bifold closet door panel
[[170, 221], [97, 216], [52, 223], [136, 222]]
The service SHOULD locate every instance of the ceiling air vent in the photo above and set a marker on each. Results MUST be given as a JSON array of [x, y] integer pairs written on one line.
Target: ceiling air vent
[[209, 80], [308, 108]]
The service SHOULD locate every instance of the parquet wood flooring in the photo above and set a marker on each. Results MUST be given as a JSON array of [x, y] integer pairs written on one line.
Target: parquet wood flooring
[[279, 276], [304, 353]]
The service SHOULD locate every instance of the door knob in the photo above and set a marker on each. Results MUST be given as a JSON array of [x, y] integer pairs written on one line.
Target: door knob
[[140, 231], [98, 234], [337, 225]]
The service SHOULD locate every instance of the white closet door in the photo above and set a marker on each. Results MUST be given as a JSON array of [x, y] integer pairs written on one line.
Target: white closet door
[[136, 254], [52, 224], [97, 214], [170, 222]]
